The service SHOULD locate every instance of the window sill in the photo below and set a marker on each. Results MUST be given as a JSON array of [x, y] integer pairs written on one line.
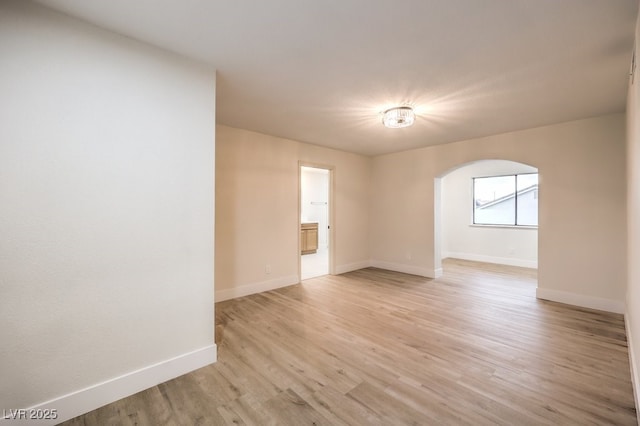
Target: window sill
[[477, 225]]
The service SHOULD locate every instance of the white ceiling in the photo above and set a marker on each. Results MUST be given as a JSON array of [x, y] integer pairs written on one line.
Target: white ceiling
[[321, 71]]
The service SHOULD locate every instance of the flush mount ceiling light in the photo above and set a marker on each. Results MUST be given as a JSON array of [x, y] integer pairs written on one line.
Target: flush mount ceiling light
[[395, 118]]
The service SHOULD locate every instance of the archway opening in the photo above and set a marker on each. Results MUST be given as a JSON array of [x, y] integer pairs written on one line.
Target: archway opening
[[487, 211]]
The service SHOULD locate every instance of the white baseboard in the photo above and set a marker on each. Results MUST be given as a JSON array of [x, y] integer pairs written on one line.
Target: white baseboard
[[635, 379], [492, 259], [88, 399], [407, 269], [437, 273], [248, 289], [254, 288], [581, 300], [343, 269]]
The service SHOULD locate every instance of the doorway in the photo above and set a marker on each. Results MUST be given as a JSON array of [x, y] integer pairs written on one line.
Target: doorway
[[487, 211], [315, 218]]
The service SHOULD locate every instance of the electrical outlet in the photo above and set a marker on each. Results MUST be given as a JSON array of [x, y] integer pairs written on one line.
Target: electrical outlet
[[267, 268]]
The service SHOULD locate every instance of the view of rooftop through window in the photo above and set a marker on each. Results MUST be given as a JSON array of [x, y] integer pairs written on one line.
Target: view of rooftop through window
[[506, 200]]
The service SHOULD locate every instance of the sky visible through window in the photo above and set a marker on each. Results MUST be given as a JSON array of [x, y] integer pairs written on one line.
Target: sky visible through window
[[506, 200], [491, 188]]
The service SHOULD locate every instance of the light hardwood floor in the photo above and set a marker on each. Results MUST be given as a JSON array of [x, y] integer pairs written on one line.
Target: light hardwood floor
[[383, 348]]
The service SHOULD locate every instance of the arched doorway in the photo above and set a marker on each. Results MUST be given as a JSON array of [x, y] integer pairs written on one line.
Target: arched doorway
[[487, 211]]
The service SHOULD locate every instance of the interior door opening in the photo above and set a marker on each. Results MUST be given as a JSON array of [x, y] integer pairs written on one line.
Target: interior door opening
[[487, 211], [314, 222]]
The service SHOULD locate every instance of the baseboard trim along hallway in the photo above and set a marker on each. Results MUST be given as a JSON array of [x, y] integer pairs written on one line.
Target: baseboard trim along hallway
[[581, 300], [254, 288], [406, 269], [88, 399]]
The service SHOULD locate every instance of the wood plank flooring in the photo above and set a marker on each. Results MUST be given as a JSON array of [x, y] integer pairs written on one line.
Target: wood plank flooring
[[383, 348]]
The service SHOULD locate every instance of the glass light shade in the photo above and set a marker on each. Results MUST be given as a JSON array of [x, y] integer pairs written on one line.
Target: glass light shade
[[398, 117]]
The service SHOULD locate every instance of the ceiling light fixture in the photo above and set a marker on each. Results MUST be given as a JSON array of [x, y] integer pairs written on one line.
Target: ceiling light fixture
[[395, 118]]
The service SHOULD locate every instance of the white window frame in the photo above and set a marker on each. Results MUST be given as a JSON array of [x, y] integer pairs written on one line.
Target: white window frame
[[496, 225]]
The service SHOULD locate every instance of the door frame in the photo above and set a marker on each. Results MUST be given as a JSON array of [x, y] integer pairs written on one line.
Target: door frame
[[331, 213]]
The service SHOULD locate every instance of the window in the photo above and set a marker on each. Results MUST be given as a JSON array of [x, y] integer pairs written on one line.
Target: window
[[506, 200]]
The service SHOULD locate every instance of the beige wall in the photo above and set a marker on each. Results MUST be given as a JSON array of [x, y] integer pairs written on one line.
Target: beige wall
[[257, 210], [106, 195], [582, 233], [632, 316]]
